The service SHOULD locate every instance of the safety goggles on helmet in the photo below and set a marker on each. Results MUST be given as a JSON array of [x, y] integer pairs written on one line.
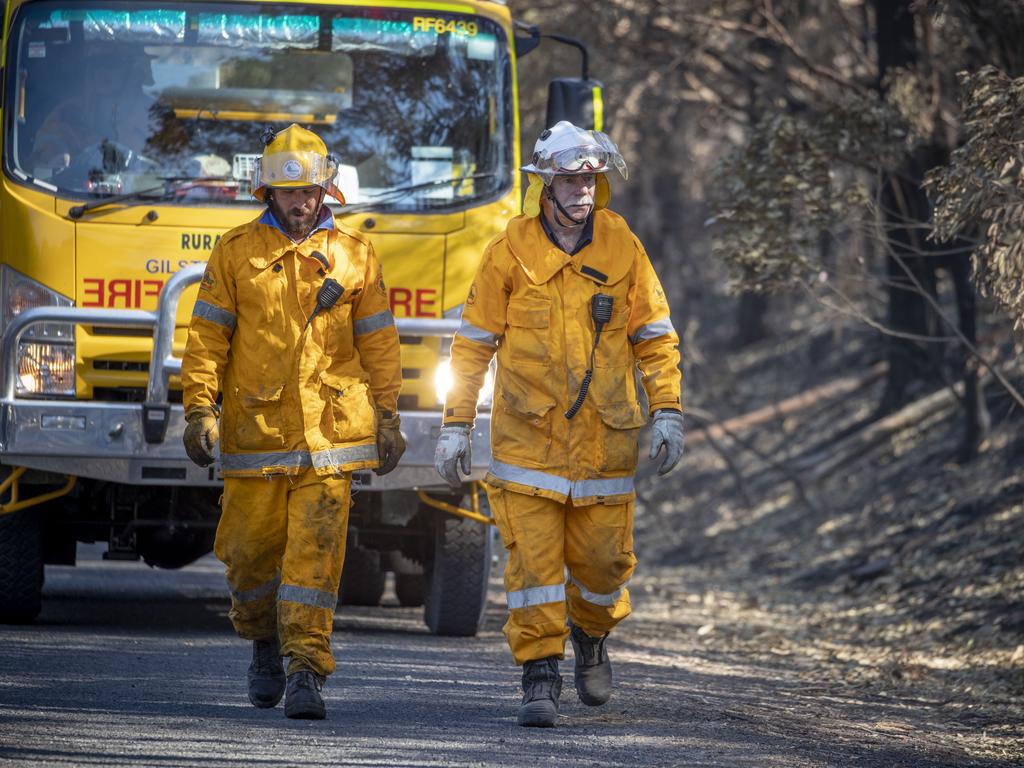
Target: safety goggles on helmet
[[579, 160], [566, 149], [294, 169]]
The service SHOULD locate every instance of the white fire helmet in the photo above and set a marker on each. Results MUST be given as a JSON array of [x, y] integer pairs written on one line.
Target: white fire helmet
[[567, 150]]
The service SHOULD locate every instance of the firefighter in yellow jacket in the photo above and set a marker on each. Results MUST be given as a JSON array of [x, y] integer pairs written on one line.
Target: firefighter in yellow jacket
[[569, 301], [292, 328]]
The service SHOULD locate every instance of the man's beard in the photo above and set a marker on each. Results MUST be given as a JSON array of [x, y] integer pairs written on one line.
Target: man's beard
[[296, 225]]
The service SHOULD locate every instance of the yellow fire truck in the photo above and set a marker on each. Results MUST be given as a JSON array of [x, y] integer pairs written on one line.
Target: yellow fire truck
[[130, 131]]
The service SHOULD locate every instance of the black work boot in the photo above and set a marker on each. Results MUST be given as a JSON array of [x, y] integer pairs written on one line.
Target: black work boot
[[304, 701], [266, 674], [593, 671], [541, 686]]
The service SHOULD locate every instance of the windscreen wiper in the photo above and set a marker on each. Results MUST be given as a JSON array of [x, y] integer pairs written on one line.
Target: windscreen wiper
[[390, 195], [139, 196]]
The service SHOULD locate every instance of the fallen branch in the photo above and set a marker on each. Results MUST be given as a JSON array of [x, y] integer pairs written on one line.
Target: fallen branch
[[737, 473], [791, 405], [920, 414], [779, 466]]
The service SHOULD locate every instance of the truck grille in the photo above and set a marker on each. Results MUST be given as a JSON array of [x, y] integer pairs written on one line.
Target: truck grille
[[106, 330], [120, 365], [129, 394]]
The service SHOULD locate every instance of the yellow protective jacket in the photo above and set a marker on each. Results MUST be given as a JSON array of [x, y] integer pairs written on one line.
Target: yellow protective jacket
[[294, 396], [531, 303]]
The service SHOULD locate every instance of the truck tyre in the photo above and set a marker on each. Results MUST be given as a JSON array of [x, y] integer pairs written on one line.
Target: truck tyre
[[410, 581], [458, 573], [362, 580], [411, 589], [21, 566]]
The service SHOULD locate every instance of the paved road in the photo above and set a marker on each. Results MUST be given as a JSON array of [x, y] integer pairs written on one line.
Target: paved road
[[132, 666]]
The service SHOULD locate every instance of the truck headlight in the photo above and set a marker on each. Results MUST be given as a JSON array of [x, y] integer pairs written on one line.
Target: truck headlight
[[46, 353], [46, 369], [443, 381]]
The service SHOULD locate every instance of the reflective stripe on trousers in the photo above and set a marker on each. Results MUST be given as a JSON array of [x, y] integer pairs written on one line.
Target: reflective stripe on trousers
[[256, 593], [524, 598], [307, 596], [597, 598]]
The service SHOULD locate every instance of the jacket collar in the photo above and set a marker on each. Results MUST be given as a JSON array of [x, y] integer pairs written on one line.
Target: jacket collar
[[278, 244], [603, 260], [586, 234]]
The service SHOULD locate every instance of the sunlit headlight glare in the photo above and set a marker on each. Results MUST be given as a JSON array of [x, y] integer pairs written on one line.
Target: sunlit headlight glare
[[444, 379], [46, 352], [486, 396]]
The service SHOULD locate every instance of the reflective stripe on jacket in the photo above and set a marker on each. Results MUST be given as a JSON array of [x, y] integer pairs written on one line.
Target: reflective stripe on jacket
[[293, 396], [531, 305]]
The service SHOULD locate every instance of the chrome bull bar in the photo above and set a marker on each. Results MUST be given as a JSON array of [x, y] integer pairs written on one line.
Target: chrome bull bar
[[140, 443]]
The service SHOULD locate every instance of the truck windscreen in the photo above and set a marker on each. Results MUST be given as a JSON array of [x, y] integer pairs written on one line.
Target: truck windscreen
[[113, 98]]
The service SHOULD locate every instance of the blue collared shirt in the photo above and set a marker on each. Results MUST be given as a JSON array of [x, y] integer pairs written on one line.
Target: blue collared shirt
[[326, 222], [586, 236]]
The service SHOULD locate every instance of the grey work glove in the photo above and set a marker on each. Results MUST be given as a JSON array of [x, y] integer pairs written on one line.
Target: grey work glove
[[667, 430], [454, 449]]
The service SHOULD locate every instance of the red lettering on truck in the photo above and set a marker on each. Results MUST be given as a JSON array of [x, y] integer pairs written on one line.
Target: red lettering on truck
[[92, 292], [401, 297], [425, 300], [119, 294], [408, 303]]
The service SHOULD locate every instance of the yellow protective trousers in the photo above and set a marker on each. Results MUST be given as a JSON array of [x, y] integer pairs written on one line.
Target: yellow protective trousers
[[282, 539], [563, 560]]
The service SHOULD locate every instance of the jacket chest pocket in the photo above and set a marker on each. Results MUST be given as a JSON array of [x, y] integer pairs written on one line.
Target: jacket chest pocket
[[613, 350], [350, 415], [338, 334], [262, 301], [528, 329]]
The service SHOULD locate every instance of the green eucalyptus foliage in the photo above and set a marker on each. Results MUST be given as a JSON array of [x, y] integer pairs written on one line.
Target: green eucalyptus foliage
[[794, 179], [982, 188]]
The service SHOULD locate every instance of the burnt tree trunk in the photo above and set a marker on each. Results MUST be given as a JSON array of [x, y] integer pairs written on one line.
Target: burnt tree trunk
[[905, 213], [913, 261], [977, 420], [750, 325]]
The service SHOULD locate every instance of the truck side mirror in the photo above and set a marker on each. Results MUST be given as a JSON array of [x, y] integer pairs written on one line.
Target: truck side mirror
[[527, 43], [577, 100]]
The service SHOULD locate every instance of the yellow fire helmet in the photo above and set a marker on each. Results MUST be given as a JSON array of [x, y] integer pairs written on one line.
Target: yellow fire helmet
[[294, 158]]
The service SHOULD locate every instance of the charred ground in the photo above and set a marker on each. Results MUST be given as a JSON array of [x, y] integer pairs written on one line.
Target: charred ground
[[869, 582]]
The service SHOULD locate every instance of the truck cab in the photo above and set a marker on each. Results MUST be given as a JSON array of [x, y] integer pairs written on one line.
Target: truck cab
[[130, 133]]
